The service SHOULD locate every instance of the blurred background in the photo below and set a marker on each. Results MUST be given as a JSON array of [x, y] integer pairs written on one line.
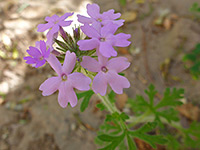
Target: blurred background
[[163, 31]]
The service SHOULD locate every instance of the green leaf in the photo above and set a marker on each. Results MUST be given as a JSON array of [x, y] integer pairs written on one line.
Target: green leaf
[[131, 143], [195, 7], [114, 141], [122, 2], [124, 116], [193, 58], [152, 139], [171, 98], [122, 146], [107, 138], [172, 144], [83, 94], [170, 115], [138, 105], [145, 128], [87, 95], [151, 93], [121, 74], [101, 106], [111, 96]]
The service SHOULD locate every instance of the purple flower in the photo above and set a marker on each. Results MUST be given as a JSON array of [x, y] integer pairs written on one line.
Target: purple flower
[[97, 20], [38, 54], [66, 81], [105, 40], [54, 23], [107, 73]]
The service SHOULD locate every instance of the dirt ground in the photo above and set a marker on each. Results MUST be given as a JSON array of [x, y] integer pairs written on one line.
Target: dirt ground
[[29, 121]]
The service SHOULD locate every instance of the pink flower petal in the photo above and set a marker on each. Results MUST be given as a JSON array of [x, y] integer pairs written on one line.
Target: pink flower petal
[[44, 27], [102, 60], [100, 84], [110, 13], [49, 86], [40, 63], [34, 52], [121, 40], [30, 60], [93, 10], [72, 98], [88, 44], [43, 47], [118, 64], [69, 62], [117, 82], [65, 23], [83, 19], [107, 50], [54, 30], [66, 94], [54, 18], [90, 31], [90, 64], [63, 94], [79, 81], [63, 17], [55, 64], [109, 28]]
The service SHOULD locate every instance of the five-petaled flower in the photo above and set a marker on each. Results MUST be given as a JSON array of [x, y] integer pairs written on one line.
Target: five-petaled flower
[[38, 54], [66, 81], [98, 20], [105, 40], [54, 23], [107, 73]]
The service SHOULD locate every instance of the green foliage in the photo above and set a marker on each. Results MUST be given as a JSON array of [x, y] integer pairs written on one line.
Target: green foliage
[[163, 113], [111, 96], [173, 144], [192, 136], [141, 133], [165, 108], [122, 2], [101, 106], [86, 98], [113, 134], [113, 141], [195, 7], [194, 59]]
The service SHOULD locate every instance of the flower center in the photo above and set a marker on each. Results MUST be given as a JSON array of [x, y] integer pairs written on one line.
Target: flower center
[[41, 58], [104, 69], [99, 19], [64, 77], [56, 22], [102, 39]]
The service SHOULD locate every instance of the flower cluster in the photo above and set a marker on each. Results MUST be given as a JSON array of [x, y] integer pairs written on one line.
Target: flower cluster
[[79, 67]]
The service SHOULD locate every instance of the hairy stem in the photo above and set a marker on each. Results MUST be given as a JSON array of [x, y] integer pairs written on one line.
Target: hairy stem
[[112, 109]]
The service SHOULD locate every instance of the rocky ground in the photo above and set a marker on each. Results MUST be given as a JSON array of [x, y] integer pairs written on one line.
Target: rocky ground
[[162, 32]]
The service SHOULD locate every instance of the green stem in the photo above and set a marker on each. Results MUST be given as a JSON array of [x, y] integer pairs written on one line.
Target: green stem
[[143, 118], [149, 118], [112, 109], [108, 104]]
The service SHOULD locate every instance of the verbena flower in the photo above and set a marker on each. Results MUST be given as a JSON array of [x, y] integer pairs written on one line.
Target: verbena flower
[[107, 73], [54, 23], [97, 19], [38, 54], [105, 40], [66, 81]]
